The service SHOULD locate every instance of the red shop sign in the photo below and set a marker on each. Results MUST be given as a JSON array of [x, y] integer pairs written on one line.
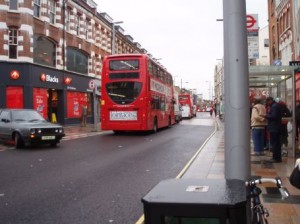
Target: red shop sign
[[14, 74]]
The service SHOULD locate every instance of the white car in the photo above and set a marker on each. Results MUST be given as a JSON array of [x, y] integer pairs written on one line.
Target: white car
[[186, 112]]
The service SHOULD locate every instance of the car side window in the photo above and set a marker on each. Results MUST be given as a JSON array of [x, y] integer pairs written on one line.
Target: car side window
[[4, 116]]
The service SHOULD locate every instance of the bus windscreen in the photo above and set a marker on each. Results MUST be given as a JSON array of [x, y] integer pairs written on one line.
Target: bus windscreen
[[121, 65]]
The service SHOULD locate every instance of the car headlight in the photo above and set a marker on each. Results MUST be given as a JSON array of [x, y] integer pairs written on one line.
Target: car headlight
[[59, 130], [35, 131]]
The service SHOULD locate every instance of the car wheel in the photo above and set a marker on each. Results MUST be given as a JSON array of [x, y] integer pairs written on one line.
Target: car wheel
[[18, 141]]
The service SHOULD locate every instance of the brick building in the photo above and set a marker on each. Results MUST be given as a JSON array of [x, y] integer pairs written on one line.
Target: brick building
[[51, 55], [281, 31]]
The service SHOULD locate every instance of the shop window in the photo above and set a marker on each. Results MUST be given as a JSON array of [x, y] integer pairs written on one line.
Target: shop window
[[40, 101], [37, 8], [13, 5], [52, 11], [77, 61], [13, 43], [14, 97], [75, 101], [44, 51]]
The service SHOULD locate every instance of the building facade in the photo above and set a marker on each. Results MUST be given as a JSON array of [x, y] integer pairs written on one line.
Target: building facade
[[281, 28], [51, 55]]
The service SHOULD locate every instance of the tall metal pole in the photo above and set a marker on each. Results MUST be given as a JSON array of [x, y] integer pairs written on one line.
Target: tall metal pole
[[237, 107], [113, 39], [113, 47]]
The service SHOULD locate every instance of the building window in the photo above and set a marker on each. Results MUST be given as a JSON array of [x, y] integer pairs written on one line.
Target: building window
[[266, 43], [13, 5], [77, 25], [37, 8], [86, 29], [68, 12], [13, 43], [52, 11], [77, 61], [44, 51]]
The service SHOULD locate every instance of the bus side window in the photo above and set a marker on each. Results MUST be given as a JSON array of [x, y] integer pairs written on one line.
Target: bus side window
[[162, 103], [155, 104]]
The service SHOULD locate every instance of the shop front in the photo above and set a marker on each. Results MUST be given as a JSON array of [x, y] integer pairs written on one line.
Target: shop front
[[58, 96]]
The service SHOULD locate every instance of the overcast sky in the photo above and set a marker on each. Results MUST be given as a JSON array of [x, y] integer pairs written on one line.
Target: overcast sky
[[183, 33]]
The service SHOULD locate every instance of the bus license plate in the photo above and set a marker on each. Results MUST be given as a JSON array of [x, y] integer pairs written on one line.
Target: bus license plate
[[48, 137], [123, 116]]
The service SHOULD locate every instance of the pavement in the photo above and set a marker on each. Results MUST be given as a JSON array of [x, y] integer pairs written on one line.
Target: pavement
[[208, 163]]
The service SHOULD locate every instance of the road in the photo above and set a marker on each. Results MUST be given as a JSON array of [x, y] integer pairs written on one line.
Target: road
[[94, 180]]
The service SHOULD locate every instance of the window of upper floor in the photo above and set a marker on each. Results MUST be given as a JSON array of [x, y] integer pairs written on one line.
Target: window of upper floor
[[13, 43], [68, 13], [44, 51], [266, 43], [52, 11], [13, 4], [37, 8], [288, 18], [77, 24], [77, 60], [86, 29]]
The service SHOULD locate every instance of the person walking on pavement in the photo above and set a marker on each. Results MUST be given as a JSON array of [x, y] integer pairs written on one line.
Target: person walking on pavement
[[297, 115], [258, 125], [274, 128]]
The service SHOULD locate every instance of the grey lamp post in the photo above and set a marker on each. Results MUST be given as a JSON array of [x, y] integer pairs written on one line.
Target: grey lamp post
[[181, 83], [113, 49]]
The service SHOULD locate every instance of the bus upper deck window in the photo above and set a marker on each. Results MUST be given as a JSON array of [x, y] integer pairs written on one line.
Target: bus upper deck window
[[119, 65]]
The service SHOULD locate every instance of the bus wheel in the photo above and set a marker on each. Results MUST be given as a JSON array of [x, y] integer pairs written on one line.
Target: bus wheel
[[154, 125]]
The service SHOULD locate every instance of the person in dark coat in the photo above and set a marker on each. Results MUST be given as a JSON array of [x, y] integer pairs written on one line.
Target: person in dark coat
[[274, 128], [297, 115]]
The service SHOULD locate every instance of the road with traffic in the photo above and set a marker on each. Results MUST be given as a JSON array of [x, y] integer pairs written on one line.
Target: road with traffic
[[97, 179]]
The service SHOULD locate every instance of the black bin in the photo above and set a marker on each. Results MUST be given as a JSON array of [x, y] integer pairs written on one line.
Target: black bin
[[196, 201]]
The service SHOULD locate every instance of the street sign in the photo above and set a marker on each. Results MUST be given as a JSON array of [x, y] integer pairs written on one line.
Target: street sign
[[252, 33], [252, 22]]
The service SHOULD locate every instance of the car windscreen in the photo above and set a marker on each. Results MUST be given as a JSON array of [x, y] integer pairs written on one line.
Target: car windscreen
[[123, 92], [26, 115]]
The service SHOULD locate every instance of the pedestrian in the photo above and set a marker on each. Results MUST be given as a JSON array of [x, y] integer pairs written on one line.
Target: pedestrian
[[258, 125], [274, 129], [297, 115], [83, 115], [285, 113], [211, 111]]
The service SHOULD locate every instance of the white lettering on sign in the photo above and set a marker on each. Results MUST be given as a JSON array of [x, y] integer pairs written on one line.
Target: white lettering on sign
[[51, 79], [160, 88]]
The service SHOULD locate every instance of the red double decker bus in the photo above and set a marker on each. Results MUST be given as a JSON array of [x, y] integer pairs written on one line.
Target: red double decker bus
[[136, 94], [186, 102]]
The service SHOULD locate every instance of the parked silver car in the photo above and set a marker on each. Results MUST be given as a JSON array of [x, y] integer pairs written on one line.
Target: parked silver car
[[27, 127]]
